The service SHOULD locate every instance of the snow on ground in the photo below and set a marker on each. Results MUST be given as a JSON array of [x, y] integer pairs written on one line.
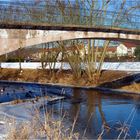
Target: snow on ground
[[123, 66]]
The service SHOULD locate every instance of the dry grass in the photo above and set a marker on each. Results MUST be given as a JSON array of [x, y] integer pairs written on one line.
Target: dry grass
[[110, 75], [20, 132], [135, 87], [49, 129], [62, 77]]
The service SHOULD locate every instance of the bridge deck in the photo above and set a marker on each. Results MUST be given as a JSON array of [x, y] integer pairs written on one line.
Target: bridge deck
[[45, 26]]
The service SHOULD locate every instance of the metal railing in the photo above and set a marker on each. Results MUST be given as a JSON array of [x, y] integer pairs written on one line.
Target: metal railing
[[80, 17]]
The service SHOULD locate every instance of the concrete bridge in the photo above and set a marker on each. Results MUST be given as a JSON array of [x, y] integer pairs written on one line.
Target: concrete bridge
[[58, 25], [12, 42]]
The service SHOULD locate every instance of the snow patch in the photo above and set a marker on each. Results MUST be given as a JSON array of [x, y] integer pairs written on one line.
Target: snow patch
[[122, 66]]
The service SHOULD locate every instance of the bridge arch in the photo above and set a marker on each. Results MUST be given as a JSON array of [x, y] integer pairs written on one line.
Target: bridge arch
[[12, 44]]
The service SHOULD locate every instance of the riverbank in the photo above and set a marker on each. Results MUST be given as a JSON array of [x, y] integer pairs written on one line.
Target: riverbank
[[64, 77], [135, 87]]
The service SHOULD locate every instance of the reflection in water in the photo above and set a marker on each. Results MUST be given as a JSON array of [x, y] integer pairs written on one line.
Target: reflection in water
[[75, 106], [88, 119], [97, 111], [91, 113], [104, 123], [93, 109]]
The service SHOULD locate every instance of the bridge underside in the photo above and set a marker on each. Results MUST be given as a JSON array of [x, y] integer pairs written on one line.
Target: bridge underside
[[38, 26], [9, 44]]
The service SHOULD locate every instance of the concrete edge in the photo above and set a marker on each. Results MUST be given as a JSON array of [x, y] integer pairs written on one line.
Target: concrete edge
[[96, 88]]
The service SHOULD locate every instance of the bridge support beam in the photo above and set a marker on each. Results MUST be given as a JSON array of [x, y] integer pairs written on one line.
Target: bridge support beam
[[8, 44]]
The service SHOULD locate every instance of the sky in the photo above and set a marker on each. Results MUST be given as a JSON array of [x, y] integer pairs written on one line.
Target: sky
[[114, 5]]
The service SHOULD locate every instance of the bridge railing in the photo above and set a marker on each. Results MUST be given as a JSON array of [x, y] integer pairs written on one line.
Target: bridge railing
[[99, 18]]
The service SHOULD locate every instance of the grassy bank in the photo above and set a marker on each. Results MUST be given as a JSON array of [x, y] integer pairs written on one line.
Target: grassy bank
[[62, 77], [133, 87]]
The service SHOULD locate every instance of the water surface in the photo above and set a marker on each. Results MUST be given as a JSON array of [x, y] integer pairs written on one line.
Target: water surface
[[95, 112]]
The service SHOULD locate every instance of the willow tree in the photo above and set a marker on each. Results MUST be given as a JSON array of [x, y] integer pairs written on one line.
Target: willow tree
[[88, 13]]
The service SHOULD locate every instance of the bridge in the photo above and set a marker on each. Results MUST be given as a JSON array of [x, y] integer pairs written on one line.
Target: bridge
[[13, 43], [65, 24]]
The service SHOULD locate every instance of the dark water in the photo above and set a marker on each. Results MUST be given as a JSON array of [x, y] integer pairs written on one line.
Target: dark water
[[95, 112]]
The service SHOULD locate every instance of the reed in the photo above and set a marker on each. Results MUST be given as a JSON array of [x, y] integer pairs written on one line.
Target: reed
[[38, 128]]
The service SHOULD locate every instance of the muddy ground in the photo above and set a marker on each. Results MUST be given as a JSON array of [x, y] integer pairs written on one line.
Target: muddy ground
[[64, 77]]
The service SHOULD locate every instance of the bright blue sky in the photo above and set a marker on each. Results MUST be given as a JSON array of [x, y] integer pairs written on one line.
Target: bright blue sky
[[113, 6]]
